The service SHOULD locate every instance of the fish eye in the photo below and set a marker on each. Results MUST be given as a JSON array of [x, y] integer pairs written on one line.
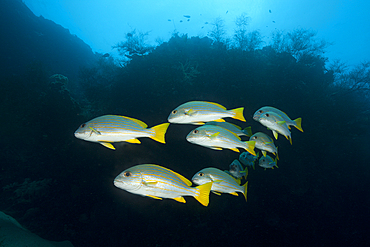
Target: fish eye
[[174, 111], [195, 131], [254, 137], [260, 111], [127, 174], [267, 115], [83, 125], [201, 174]]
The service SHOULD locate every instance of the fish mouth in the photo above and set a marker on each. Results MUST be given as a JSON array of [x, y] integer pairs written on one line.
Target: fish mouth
[[255, 118]]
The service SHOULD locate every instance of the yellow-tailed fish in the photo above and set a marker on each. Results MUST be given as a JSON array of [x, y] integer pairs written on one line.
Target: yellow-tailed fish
[[276, 124], [198, 112], [233, 128], [264, 143], [159, 182], [113, 128], [296, 123], [222, 182], [267, 162], [216, 137]]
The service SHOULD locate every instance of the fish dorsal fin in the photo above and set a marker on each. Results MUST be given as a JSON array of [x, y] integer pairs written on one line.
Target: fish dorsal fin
[[141, 123], [219, 120], [236, 126], [216, 104], [180, 199], [136, 141], [184, 179], [107, 145]]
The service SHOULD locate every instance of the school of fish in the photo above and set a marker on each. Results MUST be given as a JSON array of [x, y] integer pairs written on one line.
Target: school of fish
[[158, 182]]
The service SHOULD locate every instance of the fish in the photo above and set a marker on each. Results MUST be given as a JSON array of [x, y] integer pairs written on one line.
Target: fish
[[216, 137], [296, 123], [158, 182], [267, 162], [237, 171], [108, 129], [264, 143], [187, 16], [233, 128], [248, 159], [221, 182], [198, 112], [276, 124]]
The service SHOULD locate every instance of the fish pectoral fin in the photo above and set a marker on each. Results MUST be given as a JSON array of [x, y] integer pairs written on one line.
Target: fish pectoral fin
[[95, 131], [150, 184], [214, 135], [155, 197], [217, 181], [281, 122], [107, 145], [264, 153], [189, 112], [180, 199], [216, 193], [235, 150], [136, 141], [234, 193]]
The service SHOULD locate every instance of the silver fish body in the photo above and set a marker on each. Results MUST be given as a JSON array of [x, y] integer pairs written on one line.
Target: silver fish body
[[108, 129], [296, 123], [222, 182], [198, 112], [276, 124], [159, 182], [216, 137], [264, 143]]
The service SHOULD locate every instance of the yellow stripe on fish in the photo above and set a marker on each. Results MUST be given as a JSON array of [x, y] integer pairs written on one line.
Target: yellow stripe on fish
[[222, 182], [198, 112], [108, 129], [159, 182]]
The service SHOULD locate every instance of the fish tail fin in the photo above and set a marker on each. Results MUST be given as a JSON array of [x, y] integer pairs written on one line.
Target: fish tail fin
[[249, 146], [245, 190], [239, 114], [246, 173], [298, 124], [159, 132], [204, 191], [248, 131]]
